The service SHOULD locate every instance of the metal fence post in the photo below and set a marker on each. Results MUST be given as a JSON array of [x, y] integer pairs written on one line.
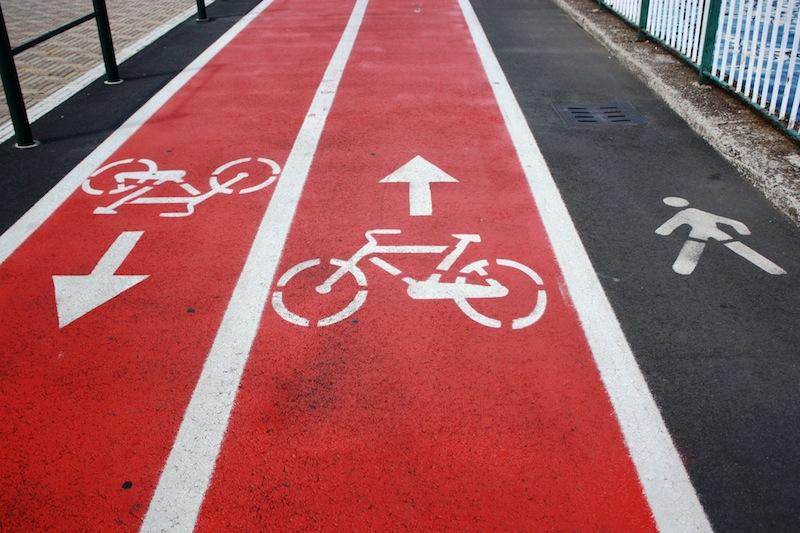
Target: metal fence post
[[644, 12], [16, 103], [707, 61], [202, 15], [106, 44]]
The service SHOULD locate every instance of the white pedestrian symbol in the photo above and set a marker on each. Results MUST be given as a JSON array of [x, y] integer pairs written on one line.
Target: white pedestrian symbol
[[704, 227], [433, 288], [137, 186]]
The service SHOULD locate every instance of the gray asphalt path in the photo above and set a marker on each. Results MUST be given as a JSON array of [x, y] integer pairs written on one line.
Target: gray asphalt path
[[720, 348]]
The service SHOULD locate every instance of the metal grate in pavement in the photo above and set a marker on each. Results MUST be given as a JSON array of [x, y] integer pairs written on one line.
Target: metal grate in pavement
[[609, 114]]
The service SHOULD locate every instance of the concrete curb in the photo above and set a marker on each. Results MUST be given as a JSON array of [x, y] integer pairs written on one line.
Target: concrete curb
[[764, 156]]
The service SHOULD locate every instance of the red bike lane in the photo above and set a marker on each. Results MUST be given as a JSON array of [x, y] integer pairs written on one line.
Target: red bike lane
[[378, 402], [94, 385]]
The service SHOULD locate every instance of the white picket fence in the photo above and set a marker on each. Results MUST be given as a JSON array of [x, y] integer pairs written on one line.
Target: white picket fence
[[755, 51], [628, 9], [681, 24]]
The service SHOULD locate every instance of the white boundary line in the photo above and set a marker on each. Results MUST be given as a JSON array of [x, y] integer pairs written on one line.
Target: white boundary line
[[39, 109], [666, 484], [190, 465], [46, 206]]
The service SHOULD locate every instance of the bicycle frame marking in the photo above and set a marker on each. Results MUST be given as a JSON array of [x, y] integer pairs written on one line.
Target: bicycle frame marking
[[140, 183], [431, 288]]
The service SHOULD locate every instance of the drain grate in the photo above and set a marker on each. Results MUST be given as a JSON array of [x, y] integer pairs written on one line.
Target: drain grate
[[610, 114]]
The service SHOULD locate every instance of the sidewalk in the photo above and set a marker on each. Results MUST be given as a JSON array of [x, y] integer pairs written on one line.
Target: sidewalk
[[765, 156], [717, 348], [50, 66]]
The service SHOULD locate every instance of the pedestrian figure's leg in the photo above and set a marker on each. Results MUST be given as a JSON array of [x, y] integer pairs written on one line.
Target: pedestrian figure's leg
[[756, 258], [688, 257]]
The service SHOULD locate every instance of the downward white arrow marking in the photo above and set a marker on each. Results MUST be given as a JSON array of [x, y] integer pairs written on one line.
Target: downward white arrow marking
[[78, 295], [419, 174]]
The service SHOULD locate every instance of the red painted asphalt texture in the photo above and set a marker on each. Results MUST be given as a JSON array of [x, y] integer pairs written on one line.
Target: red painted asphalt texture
[[98, 403], [406, 415]]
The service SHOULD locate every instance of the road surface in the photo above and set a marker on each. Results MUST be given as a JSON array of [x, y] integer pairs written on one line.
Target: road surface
[[375, 264]]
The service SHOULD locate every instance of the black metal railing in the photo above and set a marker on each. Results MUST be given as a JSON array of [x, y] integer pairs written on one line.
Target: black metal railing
[[202, 16], [10, 77]]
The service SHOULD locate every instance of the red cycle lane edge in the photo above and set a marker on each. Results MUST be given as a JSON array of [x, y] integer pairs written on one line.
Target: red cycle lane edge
[[13, 240], [190, 465], [56, 472], [666, 483], [47, 205]]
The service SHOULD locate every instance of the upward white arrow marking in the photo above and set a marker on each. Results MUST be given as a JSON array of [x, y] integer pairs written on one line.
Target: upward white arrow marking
[[419, 174], [78, 295]]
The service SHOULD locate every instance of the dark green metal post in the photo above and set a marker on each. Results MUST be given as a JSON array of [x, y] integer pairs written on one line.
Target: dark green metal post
[[16, 103], [202, 16], [106, 43], [644, 12], [707, 61]]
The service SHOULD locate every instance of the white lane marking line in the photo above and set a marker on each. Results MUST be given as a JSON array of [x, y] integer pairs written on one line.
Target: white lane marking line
[[666, 484], [190, 465], [47, 205], [39, 109]]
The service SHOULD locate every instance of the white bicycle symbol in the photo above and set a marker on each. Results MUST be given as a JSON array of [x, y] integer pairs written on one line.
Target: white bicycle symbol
[[139, 183], [431, 288]]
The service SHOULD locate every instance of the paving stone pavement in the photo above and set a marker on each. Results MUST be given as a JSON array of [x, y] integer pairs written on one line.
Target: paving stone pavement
[[49, 66]]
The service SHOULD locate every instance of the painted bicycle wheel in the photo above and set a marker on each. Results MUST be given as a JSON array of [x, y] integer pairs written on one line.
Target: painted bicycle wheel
[[359, 287], [481, 267]]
